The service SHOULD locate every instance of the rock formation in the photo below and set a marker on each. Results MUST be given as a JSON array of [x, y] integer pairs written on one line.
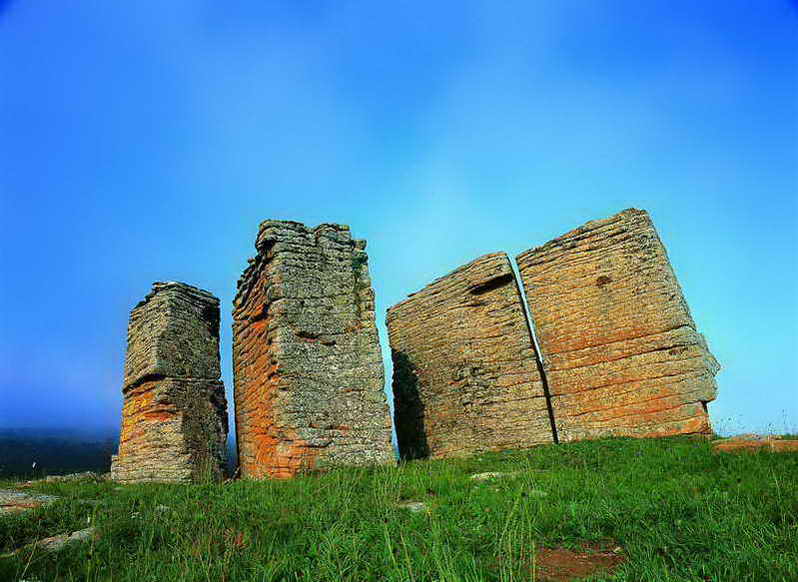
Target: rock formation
[[752, 443], [174, 417], [466, 377], [622, 354], [306, 357]]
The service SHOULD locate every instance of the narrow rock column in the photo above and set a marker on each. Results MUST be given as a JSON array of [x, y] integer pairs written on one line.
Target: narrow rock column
[[622, 354], [174, 417], [465, 372], [308, 368]]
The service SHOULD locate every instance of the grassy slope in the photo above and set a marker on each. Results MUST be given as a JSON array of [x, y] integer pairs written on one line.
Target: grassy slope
[[680, 512]]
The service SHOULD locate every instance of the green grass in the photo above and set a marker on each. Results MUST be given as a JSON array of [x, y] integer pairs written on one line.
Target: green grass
[[679, 511]]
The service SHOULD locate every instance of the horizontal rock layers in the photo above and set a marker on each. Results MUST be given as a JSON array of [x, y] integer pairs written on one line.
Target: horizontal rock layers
[[307, 362], [465, 372], [753, 443], [174, 416], [622, 354]]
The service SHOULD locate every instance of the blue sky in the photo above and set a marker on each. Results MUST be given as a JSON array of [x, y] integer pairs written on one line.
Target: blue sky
[[145, 141]]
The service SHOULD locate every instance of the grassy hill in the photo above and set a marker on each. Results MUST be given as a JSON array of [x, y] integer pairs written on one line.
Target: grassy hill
[[669, 508]]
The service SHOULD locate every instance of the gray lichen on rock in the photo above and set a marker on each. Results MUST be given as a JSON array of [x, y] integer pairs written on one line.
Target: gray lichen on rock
[[307, 362], [174, 417]]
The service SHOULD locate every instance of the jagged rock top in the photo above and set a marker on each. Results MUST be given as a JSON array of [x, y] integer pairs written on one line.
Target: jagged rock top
[[288, 236], [271, 230], [178, 287]]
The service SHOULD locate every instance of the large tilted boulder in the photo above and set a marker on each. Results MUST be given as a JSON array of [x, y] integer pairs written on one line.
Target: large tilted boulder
[[622, 354], [465, 373], [174, 416], [306, 357]]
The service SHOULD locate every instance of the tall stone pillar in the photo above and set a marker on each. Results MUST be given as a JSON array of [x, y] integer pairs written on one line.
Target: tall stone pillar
[[174, 416], [622, 353], [306, 356], [466, 375]]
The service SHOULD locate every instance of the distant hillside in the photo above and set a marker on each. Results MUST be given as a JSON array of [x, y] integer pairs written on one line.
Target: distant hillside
[[59, 451], [54, 451]]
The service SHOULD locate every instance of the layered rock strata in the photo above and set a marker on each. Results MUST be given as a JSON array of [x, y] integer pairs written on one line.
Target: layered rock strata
[[174, 416], [465, 373], [621, 350], [754, 443], [307, 362]]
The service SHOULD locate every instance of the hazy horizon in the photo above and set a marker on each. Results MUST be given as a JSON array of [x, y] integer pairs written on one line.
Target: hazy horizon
[[146, 142]]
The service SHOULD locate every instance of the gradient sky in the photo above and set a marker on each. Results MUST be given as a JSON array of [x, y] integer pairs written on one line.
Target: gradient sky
[[144, 141]]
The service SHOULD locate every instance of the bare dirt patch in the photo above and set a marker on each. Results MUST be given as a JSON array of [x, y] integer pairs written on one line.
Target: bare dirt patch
[[561, 565]]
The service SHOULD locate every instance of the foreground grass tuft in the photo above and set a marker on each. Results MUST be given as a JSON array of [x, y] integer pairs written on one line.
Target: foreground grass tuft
[[678, 511]]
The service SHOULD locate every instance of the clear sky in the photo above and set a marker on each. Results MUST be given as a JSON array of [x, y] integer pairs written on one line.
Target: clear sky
[[144, 141]]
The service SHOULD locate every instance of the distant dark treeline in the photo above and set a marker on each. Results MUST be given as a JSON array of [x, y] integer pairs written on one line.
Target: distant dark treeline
[[60, 451], [54, 452]]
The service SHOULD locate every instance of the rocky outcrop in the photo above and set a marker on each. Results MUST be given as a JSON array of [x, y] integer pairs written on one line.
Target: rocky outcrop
[[622, 353], [12, 502], [465, 372], [753, 442], [174, 416], [307, 363]]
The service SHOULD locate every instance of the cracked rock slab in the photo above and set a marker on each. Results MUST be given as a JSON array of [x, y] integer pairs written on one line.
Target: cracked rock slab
[[466, 378], [622, 354], [306, 357]]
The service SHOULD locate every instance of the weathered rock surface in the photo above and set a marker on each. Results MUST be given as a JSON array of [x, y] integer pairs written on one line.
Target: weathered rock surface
[[58, 542], [466, 377], [174, 416], [16, 502], [621, 351], [173, 332], [306, 356], [753, 443]]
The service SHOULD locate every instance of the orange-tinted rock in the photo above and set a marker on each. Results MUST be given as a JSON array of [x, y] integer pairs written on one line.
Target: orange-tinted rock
[[465, 372], [753, 443], [621, 352], [307, 363], [174, 416]]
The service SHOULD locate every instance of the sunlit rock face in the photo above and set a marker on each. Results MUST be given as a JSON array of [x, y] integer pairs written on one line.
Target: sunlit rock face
[[622, 353], [174, 416], [466, 377], [309, 379]]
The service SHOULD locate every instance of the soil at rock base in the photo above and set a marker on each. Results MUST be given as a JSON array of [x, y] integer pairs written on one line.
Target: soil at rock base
[[561, 565]]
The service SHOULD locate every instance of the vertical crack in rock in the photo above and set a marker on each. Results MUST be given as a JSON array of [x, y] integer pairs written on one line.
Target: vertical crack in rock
[[622, 354], [530, 324], [309, 379], [465, 373], [174, 416]]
